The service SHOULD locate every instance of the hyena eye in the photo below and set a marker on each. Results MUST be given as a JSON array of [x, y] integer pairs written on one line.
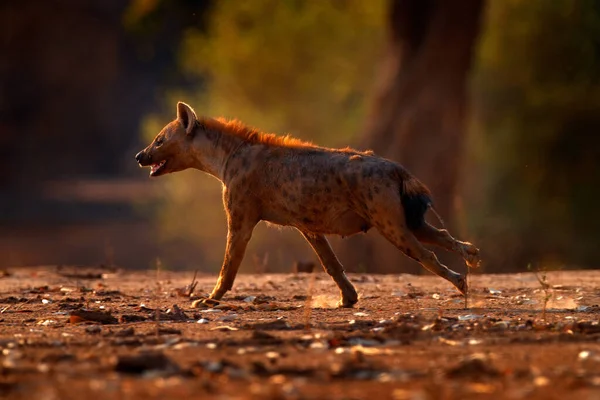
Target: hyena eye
[[159, 142]]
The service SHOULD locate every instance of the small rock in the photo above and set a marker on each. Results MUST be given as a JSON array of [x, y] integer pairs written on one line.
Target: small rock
[[144, 362], [228, 318], [469, 317], [103, 317], [125, 332], [475, 366], [277, 324], [93, 329]]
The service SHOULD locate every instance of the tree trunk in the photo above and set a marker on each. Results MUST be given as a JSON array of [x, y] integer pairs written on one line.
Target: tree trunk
[[418, 116]]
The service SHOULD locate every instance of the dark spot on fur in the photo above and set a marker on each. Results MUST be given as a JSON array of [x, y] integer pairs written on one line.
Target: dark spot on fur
[[307, 220], [352, 181], [338, 180], [304, 171], [376, 189], [210, 135], [245, 163], [370, 195]]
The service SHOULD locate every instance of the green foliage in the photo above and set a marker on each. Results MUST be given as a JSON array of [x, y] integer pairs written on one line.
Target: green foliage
[[298, 67], [536, 89], [306, 67]]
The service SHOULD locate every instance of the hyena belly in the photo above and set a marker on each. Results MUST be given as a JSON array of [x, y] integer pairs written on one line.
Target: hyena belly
[[346, 224], [312, 199], [328, 221]]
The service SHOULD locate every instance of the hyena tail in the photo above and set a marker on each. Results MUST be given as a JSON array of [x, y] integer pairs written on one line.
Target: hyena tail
[[416, 200]]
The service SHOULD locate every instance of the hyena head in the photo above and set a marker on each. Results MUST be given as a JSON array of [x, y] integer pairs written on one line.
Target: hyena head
[[171, 150]]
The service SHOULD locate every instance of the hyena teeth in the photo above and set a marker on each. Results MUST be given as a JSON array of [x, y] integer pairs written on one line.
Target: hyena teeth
[[155, 167]]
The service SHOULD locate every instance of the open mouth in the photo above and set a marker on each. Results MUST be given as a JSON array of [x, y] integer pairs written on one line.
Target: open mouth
[[158, 168]]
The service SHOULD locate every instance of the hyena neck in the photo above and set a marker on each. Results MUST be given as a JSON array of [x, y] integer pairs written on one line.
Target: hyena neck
[[214, 150]]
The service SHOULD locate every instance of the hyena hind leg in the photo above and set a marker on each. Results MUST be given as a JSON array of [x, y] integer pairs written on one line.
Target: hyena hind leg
[[404, 240], [442, 238]]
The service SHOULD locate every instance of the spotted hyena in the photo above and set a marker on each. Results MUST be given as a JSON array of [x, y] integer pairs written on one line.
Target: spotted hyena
[[319, 191]]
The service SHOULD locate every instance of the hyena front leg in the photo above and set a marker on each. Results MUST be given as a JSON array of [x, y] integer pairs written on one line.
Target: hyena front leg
[[237, 238], [442, 238], [333, 267]]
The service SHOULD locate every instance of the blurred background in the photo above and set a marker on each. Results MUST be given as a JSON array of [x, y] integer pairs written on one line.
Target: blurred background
[[495, 105]]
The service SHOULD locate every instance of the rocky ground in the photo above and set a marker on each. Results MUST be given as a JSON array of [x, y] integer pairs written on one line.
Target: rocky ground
[[73, 333]]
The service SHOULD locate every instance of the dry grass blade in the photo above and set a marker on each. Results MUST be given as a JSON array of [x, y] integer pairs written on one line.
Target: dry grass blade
[[468, 284], [156, 300], [192, 285], [542, 277]]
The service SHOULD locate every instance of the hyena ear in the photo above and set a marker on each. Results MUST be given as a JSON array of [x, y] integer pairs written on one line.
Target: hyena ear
[[187, 117]]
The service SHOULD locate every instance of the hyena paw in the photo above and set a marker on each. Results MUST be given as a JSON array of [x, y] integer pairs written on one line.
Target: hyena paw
[[347, 302], [211, 302], [461, 283], [213, 298], [471, 256]]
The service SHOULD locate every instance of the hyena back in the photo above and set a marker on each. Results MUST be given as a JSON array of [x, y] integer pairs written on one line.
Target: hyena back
[[318, 191]]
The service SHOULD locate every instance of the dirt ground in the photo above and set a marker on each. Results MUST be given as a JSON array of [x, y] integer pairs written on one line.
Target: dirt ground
[[74, 333]]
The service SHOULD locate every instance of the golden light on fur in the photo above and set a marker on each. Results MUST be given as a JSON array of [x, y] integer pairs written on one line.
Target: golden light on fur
[[319, 191], [249, 134]]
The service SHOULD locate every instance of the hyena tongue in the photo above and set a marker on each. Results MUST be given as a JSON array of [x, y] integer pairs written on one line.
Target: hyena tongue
[[156, 167]]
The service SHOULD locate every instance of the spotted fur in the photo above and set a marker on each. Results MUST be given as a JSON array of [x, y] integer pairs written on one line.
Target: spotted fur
[[319, 191]]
